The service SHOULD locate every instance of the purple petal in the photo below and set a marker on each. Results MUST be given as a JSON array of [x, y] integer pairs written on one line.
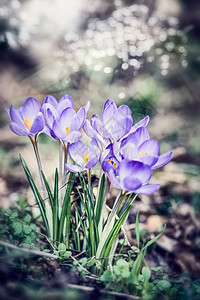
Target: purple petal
[[148, 152], [134, 169], [143, 123], [74, 168], [88, 129], [100, 128], [57, 130], [66, 118], [18, 129], [148, 189], [76, 152], [67, 97], [137, 137], [51, 100], [130, 151], [92, 162], [73, 137], [121, 127], [15, 116], [38, 124], [113, 179], [124, 110], [30, 109], [131, 184], [108, 112], [50, 114], [163, 160], [63, 105], [78, 120], [87, 107], [93, 144]]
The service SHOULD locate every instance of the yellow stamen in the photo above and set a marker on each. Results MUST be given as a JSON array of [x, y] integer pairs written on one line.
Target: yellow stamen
[[146, 153], [110, 160], [67, 130], [140, 154], [86, 157], [27, 123]]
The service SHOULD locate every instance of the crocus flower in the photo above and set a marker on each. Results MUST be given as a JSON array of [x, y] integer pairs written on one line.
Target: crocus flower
[[53, 110], [28, 120], [116, 122], [67, 126], [138, 146], [133, 176], [84, 157]]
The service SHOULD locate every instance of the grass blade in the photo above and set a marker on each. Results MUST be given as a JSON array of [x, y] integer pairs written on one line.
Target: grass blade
[[55, 208], [137, 230], [100, 200], [66, 211], [37, 195]]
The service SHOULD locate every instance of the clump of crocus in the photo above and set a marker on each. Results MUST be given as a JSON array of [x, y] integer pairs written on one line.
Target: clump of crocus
[[126, 155]]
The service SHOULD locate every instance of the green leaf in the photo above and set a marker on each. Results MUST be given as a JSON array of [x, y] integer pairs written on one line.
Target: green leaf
[[48, 190], [17, 226], [146, 272], [36, 193], [66, 211], [137, 230], [26, 229], [149, 243], [163, 285], [62, 247], [27, 219], [100, 199], [107, 276], [67, 254], [115, 230], [55, 208]]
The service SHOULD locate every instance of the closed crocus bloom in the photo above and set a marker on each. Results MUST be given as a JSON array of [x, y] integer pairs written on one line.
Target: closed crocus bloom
[[84, 157], [138, 146], [28, 120], [116, 122], [133, 176]]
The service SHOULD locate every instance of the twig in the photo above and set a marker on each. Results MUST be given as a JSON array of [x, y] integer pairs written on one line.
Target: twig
[[32, 252], [103, 291]]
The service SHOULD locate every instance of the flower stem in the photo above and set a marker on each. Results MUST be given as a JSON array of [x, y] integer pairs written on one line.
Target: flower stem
[[89, 180], [35, 147], [65, 161], [109, 225], [60, 163]]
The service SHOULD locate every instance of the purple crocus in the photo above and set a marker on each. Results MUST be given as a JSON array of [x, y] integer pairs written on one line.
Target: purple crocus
[[84, 157], [116, 122], [28, 120], [66, 127], [138, 146], [53, 111], [133, 176]]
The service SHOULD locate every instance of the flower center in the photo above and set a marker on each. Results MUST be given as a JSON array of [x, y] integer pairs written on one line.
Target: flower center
[[113, 163], [86, 157], [67, 130], [141, 153], [27, 123]]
